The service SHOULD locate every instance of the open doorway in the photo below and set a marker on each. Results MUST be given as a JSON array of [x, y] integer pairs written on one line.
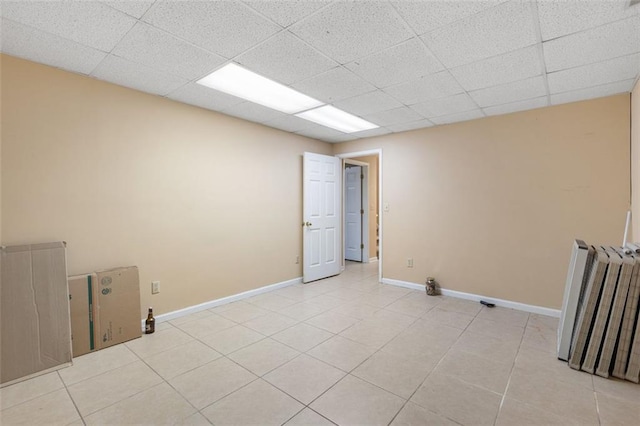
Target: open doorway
[[356, 211]]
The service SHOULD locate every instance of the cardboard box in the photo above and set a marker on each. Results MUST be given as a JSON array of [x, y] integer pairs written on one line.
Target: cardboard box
[[83, 302], [34, 311], [118, 313]]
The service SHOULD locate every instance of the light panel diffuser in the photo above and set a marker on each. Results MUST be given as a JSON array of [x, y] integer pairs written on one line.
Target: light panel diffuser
[[335, 118]]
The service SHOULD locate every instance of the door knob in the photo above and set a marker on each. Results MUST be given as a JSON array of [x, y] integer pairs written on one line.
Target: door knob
[[306, 223]]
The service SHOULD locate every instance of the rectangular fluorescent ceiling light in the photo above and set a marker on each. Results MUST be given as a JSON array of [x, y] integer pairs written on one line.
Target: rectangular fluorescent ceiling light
[[240, 82], [335, 118]]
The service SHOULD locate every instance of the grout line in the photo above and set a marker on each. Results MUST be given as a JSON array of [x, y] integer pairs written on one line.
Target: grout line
[[71, 398]]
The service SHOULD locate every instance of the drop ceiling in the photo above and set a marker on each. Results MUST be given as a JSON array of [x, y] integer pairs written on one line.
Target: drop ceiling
[[400, 64]]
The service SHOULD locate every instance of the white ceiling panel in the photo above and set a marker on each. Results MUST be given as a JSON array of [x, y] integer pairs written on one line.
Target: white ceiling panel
[[608, 41], [204, 97], [253, 112], [286, 12], [335, 84], [162, 51], [432, 86], [325, 133], [461, 116], [368, 103], [348, 30], [223, 27], [393, 116], [445, 106], [286, 59], [410, 126], [517, 106], [407, 61], [378, 131], [38, 46], [498, 30], [597, 74], [424, 16], [511, 92], [135, 8], [90, 23], [290, 123], [512, 66], [559, 18], [593, 92], [136, 76]]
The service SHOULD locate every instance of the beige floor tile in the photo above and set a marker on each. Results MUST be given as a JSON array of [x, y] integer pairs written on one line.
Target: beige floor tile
[[29, 389], [332, 322], [419, 347], [492, 348], [449, 318], [196, 419], [327, 302], [378, 299], [461, 305], [391, 317], [181, 359], [476, 370], [372, 333], [541, 338], [457, 400], [204, 326], [354, 401], [295, 293], [212, 381], [160, 404], [151, 344], [424, 299], [96, 363], [270, 324], [366, 286], [108, 388], [308, 417], [228, 306], [191, 317], [617, 411], [270, 301], [258, 403], [618, 388], [232, 339], [409, 306], [53, 408], [546, 393], [393, 373], [356, 310], [413, 414], [263, 356], [505, 316], [304, 378], [302, 311], [302, 337], [543, 322], [533, 361], [162, 326], [514, 412], [342, 353], [497, 329]]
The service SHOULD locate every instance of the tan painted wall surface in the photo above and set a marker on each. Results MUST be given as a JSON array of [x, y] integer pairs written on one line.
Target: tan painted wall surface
[[208, 204], [491, 206], [372, 160], [635, 161]]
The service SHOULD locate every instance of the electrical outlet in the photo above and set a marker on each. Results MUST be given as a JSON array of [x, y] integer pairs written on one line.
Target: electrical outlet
[[409, 263], [155, 287], [297, 260], [386, 207]]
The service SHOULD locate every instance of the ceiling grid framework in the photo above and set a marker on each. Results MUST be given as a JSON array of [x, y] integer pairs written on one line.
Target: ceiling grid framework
[[401, 64]]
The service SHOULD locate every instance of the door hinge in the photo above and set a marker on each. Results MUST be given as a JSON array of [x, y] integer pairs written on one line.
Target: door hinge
[[361, 176], [361, 211], [362, 246]]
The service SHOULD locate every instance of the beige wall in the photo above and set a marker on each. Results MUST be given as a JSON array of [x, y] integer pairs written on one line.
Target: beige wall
[[491, 206], [635, 161], [372, 161], [208, 204]]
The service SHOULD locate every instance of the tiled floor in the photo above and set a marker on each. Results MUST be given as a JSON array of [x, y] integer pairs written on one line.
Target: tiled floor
[[345, 350]]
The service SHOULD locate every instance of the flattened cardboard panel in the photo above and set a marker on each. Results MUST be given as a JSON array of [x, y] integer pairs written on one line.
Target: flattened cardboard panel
[[83, 304], [118, 305]]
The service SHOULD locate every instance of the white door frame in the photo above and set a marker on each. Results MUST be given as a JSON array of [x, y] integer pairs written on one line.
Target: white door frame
[[365, 206], [377, 152]]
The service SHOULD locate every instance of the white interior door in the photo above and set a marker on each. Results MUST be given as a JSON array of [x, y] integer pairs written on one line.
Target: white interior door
[[321, 216], [353, 213]]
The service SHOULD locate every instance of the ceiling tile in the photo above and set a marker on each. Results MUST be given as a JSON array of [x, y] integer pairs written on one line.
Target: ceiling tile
[[512, 66], [135, 8], [224, 27], [492, 32], [286, 59], [424, 16], [290, 123], [286, 12], [195, 94], [335, 84], [593, 92], [445, 106], [160, 50], [624, 68], [598, 44], [559, 18], [517, 106], [252, 112], [368, 103], [324, 134], [461, 116], [407, 61], [511, 92], [348, 30], [378, 131], [136, 76], [38, 46], [420, 124], [432, 86], [90, 23], [393, 116]]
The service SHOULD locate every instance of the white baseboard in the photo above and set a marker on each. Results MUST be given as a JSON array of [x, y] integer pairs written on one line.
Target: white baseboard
[[476, 298], [373, 259], [223, 301]]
